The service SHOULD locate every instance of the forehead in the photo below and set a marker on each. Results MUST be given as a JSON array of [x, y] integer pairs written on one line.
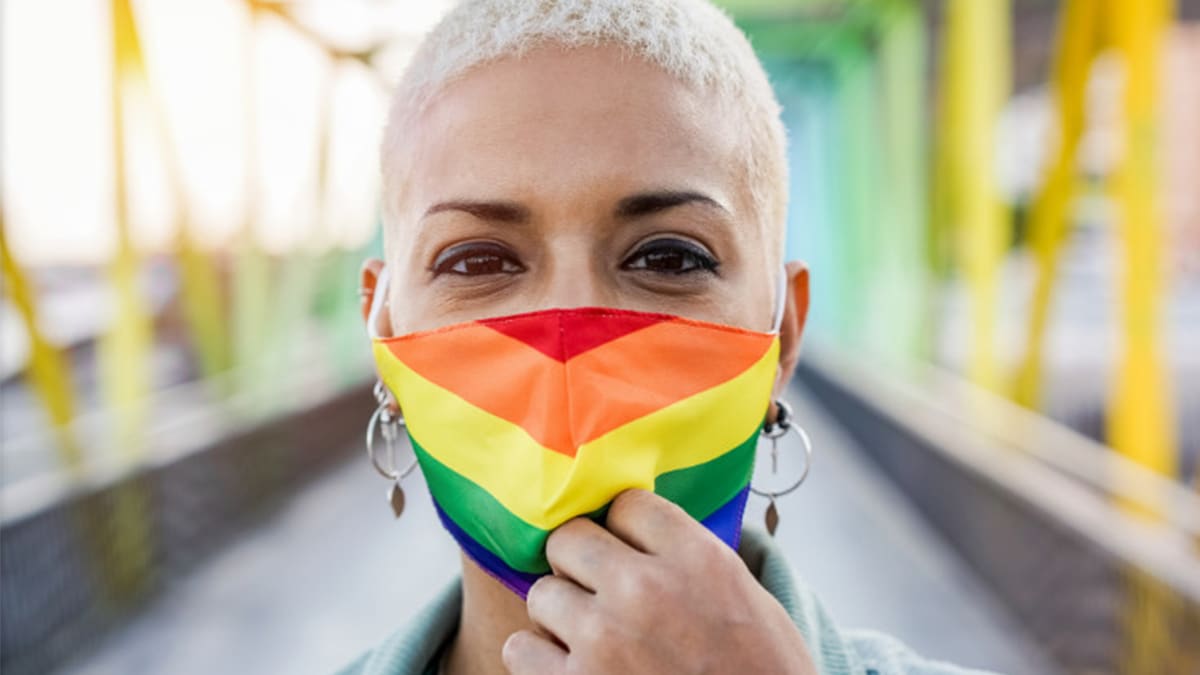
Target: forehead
[[559, 127]]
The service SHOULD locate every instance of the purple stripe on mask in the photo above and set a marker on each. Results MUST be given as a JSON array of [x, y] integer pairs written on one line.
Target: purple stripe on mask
[[517, 582]]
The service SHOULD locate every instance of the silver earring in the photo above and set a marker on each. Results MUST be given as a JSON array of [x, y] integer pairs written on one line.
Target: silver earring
[[389, 427], [774, 431]]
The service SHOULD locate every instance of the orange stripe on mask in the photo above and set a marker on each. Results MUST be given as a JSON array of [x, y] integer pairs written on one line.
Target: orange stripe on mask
[[612, 384]]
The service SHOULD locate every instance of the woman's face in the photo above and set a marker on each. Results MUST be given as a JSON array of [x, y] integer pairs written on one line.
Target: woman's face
[[576, 178]]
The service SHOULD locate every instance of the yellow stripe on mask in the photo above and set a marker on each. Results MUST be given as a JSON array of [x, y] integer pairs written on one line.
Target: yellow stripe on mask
[[544, 487]]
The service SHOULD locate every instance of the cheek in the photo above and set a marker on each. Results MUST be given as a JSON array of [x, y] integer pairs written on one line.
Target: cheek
[[429, 306], [410, 305], [413, 313], [750, 296], [407, 309]]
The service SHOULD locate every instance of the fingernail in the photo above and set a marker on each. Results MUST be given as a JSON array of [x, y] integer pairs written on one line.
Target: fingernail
[[506, 652]]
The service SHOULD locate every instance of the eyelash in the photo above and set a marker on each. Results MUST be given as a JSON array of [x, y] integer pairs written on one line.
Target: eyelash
[[476, 252], [702, 260], [492, 254]]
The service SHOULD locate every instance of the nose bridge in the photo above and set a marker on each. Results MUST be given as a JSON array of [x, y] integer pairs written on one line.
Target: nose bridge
[[574, 276]]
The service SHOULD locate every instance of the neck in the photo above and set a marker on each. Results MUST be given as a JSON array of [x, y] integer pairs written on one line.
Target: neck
[[490, 613]]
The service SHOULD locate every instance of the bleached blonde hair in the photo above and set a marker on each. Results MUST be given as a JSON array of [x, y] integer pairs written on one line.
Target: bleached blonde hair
[[690, 39]]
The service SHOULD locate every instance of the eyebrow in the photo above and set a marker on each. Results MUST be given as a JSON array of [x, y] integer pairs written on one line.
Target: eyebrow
[[498, 211], [633, 206], [646, 203]]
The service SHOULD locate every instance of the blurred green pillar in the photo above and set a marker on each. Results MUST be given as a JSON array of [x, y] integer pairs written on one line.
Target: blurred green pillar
[[825, 78], [856, 164], [899, 310]]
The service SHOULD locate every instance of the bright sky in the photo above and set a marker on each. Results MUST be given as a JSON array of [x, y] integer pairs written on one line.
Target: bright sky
[[226, 90]]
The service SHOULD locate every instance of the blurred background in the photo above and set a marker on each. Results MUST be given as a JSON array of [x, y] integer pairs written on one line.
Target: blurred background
[[999, 201]]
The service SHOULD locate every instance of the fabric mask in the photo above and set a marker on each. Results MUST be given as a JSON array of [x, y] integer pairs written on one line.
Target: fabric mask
[[522, 422]]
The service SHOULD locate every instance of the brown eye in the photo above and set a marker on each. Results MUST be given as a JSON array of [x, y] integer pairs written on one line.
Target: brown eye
[[671, 256], [477, 259]]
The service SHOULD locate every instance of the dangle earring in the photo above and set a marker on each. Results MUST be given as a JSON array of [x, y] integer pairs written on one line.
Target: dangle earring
[[774, 431], [389, 427]]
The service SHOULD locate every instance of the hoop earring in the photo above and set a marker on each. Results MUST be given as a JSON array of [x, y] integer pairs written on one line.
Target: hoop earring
[[389, 426], [774, 431]]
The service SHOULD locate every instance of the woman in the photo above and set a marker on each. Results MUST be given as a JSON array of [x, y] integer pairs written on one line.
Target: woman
[[584, 208]]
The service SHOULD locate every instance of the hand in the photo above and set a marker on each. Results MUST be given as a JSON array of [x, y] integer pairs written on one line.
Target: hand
[[656, 592]]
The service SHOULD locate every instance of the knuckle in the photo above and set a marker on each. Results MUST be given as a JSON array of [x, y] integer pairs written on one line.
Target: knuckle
[[627, 503], [644, 582], [714, 555], [568, 534], [574, 527], [637, 506], [600, 632], [655, 592], [593, 627], [561, 537], [628, 584]]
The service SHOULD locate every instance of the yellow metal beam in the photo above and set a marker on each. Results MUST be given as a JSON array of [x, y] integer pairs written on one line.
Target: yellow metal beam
[[49, 370], [124, 349], [1077, 44], [977, 82], [1140, 420]]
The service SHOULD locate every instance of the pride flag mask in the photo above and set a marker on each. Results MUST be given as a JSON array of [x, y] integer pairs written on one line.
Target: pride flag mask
[[522, 422]]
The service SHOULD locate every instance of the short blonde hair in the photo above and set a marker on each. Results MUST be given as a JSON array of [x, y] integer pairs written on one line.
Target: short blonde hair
[[690, 39]]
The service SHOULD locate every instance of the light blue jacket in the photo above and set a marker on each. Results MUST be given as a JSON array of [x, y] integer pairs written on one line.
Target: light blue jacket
[[412, 649]]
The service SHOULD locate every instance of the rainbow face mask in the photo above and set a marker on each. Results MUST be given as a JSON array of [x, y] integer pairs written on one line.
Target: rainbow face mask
[[523, 422]]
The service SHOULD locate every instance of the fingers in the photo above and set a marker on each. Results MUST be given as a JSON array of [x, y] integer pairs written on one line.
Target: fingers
[[650, 523], [556, 605], [586, 553], [525, 653]]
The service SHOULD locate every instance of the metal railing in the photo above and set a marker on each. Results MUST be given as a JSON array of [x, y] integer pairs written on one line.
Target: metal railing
[[1097, 556]]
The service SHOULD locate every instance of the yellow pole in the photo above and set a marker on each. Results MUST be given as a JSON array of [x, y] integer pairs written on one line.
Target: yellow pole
[[977, 83], [49, 370], [200, 287], [124, 349], [1140, 413], [1078, 38], [1140, 420], [251, 306]]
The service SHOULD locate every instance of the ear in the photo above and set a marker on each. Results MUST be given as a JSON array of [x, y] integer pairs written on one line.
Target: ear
[[795, 313], [368, 281], [369, 278]]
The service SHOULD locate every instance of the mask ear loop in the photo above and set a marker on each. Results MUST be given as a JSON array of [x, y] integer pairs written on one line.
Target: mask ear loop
[[377, 302], [782, 424], [388, 423]]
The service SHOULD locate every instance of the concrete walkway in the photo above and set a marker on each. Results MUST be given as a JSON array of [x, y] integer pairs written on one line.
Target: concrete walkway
[[331, 573]]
